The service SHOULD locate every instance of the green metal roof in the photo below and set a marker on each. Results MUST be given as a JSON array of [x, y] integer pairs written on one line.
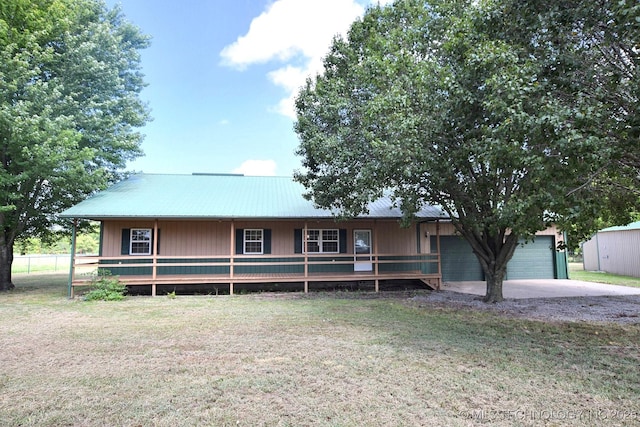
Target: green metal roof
[[214, 196], [632, 226]]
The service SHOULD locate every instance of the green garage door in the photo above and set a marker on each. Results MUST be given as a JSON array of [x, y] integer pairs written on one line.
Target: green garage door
[[533, 260], [458, 261]]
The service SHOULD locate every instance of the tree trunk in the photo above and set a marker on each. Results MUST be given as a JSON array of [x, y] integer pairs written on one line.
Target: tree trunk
[[493, 250], [6, 261], [494, 276]]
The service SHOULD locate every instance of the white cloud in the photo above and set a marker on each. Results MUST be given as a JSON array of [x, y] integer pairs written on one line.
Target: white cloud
[[291, 27], [292, 78], [257, 168], [297, 34]]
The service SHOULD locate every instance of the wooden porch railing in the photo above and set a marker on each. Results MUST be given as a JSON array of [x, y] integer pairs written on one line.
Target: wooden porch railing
[[159, 270]]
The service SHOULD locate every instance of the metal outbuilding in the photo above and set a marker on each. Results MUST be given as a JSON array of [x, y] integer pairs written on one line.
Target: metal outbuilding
[[614, 250]]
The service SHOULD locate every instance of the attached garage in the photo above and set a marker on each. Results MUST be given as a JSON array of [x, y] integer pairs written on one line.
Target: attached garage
[[458, 261], [534, 260]]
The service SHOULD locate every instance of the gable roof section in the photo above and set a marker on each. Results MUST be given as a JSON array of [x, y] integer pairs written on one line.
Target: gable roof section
[[215, 196], [632, 226]]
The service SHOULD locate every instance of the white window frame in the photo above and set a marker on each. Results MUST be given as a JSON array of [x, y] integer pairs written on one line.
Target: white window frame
[[247, 233], [148, 241], [321, 240]]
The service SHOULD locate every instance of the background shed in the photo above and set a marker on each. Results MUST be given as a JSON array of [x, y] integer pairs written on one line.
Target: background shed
[[614, 250]]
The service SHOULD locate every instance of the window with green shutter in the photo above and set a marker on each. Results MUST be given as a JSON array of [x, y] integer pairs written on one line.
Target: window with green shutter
[[321, 241], [253, 241], [138, 241]]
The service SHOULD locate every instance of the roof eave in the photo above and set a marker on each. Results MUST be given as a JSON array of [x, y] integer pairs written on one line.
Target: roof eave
[[240, 218]]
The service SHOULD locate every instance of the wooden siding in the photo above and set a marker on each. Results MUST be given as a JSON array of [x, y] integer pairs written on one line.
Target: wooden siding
[[204, 252], [213, 238]]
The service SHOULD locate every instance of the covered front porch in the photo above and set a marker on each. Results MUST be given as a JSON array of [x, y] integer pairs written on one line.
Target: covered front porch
[[241, 269], [366, 261]]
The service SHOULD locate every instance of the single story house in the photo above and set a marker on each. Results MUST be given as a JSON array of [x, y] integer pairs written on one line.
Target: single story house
[[614, 250], [228, 229]]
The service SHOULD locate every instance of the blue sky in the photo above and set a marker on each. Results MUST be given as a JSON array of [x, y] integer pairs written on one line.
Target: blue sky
[[222, 75]]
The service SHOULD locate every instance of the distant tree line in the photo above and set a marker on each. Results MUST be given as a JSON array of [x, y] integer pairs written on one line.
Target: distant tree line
[[85, 244]]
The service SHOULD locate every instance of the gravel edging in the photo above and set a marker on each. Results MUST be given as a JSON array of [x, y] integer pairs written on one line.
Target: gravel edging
[[617, 309]]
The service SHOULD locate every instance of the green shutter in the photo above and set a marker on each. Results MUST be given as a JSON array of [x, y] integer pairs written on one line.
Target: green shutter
[[126, 238], [342, 235], [239, 241], [266, 244], [297, 241], [158, 253], [101, 238]]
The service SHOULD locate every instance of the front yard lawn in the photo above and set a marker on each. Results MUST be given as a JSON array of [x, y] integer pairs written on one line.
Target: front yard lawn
[[322, 359]]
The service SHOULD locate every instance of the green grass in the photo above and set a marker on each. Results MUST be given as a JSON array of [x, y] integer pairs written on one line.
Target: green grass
[[576, 272], [323, 359]]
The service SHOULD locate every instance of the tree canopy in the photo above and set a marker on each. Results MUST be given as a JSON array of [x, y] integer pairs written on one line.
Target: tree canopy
[[601, 42], [69, 104], [470, 105]]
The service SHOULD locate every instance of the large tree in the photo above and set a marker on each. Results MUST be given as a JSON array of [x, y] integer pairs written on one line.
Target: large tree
[[69, 104], [456, 104], [601, 41], [598, 41]]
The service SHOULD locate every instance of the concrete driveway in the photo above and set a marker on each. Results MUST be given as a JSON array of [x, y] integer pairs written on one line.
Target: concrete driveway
[[543, 288]]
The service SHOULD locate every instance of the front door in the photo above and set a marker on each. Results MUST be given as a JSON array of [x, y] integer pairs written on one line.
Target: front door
[[362, 250]]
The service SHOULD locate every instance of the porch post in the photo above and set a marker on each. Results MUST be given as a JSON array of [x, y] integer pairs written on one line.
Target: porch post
[[154, 258], [306, 257], [438, 250], [72, 263], [231, 255], [375, 255]]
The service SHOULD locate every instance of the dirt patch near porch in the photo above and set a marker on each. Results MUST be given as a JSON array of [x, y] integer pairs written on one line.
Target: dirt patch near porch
[[618, 309]]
